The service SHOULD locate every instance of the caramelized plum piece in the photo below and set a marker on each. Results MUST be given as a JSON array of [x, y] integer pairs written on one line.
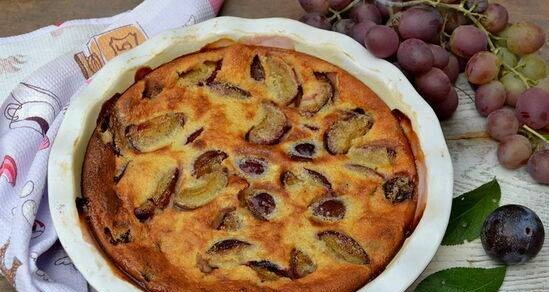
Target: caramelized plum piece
[[398, 188], [152, 89], [229, 90], [344, 247], [227, 220], [288, 178], [199, 74], [261, 205], [120, 171], [194, 135], [271, 128], [303, 151], [155, 133], [319, 178], [252, 166], [160, 198], [267, 270], [301, 264], [115, 238], [365, 170], [144, 211], [204, 265], [328, 209], [227, 245], [202, 191], [256, 69], [316, 94], [373, 155], [208, 162], [280, 79], [351, 125]]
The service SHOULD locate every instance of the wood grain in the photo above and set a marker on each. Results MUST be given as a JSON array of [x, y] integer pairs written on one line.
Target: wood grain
[[472, 153]]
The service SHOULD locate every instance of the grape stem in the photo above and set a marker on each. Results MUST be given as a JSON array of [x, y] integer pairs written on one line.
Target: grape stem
[[337, 14], [534, 132]]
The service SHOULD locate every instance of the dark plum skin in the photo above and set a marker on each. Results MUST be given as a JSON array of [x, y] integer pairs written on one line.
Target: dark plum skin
[[512, 234]]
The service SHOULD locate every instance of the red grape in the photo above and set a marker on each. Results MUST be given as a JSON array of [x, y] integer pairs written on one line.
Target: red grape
[[533, 108], [482, 68], [513, 86], [478, 6], [433, 85], [387, 11], [501, 124], [415, 56], [441, 56], [524, 38], [359, 30], [490, 97], [496, 17], [343, 26], [420, 22], [453, 20], [514, 151], [466, 40], [365, 11], [538, 166], [316, 19], [446, 108], [339, 4], [320, 6], [382, 41], [452, 69]]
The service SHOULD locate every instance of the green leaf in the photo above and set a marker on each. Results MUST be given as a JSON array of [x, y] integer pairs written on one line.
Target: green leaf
[[469, 211], [463, 280], [546, 136]]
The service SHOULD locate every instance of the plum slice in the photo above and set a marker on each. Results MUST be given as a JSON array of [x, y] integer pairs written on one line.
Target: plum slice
[[301, 264], [398, 188], [329, 209], [257, 72], [160, 197], [374, 154], [351, 125], [267, 270], [252, 166], [290, 179], [227, 220], [365, 170], [194, 135], [155, 133], [344, 247], [281, 80], [199, 74], [229, 90], [261, 205], [202, 190], [208, 162], [151, 89], [270, 128], [228, 245], [303, 151], [316, 94]]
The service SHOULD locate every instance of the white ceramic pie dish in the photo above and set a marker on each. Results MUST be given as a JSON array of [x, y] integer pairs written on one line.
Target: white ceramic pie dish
[[386, 80]]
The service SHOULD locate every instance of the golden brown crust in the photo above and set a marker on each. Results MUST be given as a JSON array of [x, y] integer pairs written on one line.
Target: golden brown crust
[[204, 150]]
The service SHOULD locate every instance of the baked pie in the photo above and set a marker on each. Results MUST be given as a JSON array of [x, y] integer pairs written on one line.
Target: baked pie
[[245, 168]]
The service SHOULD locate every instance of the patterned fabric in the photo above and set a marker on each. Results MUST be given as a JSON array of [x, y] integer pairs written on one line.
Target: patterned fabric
[[39, 74]]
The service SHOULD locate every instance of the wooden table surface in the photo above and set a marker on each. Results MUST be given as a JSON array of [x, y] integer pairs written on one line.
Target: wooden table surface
[[474, 158]]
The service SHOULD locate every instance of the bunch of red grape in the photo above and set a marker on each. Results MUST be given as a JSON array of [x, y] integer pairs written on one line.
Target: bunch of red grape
[[431, 42]]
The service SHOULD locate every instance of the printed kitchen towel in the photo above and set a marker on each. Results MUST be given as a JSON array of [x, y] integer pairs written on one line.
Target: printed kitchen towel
[[39, 74]]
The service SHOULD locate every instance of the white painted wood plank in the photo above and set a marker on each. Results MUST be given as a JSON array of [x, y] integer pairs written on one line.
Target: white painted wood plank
[[475, 163]]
